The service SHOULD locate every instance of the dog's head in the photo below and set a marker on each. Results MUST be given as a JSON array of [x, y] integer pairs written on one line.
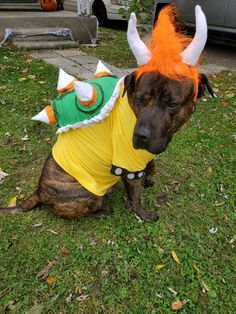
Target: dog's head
[[163, 90], [162, 106]]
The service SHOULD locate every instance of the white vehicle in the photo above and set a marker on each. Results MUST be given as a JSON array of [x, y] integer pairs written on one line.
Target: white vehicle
[[106, 10]]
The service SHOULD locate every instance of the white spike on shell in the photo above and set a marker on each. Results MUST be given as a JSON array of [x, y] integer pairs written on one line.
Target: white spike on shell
[[101, 68], [41, 116], [64, 79], [192, 53], [84, 91], [138, 47]]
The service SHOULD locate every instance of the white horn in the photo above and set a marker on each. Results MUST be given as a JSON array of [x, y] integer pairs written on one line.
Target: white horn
[[42, 116], [84, 91], [138, 47], [64, 80], [192, 53]]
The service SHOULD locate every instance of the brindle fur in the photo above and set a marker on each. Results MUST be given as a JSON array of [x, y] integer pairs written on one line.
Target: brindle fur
[[161, 106]]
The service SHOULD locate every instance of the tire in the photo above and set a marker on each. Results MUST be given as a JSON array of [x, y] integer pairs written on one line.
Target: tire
[[99, 10]]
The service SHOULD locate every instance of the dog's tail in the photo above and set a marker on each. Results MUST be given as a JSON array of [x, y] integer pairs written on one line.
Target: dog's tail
[[25, 206]]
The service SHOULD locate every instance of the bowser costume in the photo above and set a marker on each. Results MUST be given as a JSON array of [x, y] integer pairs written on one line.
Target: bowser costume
[[94, 145], [95, 122]]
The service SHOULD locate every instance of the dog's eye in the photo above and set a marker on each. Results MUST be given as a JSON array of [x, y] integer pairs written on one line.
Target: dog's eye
[[139, 100], [173, 105]]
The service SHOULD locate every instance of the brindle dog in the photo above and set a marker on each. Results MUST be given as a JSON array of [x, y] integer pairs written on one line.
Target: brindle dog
[[161, 106]]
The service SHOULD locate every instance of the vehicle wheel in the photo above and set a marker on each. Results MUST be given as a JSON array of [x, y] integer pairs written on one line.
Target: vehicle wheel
[[99, 10]]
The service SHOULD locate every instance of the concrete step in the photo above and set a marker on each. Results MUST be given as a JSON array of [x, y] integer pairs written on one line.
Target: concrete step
[[42, 33], [34, 45], [19, 5]]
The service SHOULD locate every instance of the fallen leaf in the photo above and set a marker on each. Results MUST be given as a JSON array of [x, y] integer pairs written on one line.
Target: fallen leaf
[[159, 267], [25, 138], [197, 269], [229, 95], [209, 170], [176, 305], [12, 202], [69, 298], [36, 309], [44, 272], [159, 295], [172, 291], [205, 287], [50, 280], [65, 250], [37, 225], [175, 257], [213, 230], [53, 231], [2, 176], [10, 307], [31, 77], [22, 79], [25, 71], [4, 292], [82, 298], [22, 148], [78, 290]]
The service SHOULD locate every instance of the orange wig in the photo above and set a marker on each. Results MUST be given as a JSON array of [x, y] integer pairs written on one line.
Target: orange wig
[[166, 46]]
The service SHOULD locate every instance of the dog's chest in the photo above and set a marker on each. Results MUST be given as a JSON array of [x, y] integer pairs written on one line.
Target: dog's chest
[[89, 154]]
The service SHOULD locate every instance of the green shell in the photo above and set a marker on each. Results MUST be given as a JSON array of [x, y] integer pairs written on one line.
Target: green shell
[[68, 110]]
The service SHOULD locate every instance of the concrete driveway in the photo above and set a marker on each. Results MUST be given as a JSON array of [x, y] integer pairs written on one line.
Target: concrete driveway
[[219, 57]]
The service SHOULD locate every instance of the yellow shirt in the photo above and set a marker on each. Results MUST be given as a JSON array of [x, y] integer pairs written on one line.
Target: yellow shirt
[[87, 154]]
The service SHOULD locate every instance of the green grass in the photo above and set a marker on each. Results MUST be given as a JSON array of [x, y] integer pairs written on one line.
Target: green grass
[[113, 261], [113, 48]]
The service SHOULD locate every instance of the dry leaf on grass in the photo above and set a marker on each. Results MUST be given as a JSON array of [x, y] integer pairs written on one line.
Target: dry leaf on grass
[[175, 257], [159, 267], [25, 71], [4, 292], [205, 287], [2, 176], [44, 272], [197, 269], [65, 250], [82, 298], [178, 305], [53, 231], [25, 138], [36, 309], [12, 202], [50, 280], [172, 291]]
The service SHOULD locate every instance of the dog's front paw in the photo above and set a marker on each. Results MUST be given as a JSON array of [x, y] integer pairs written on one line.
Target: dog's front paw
[[147, 216]]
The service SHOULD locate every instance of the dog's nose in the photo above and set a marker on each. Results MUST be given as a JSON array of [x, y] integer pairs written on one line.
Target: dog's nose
[[143, 134]]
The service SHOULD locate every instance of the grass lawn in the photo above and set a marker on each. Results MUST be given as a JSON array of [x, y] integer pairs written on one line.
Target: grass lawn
[[114, 265]]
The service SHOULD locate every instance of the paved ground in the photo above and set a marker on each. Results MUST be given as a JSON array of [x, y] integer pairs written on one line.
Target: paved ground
[[75, 62]]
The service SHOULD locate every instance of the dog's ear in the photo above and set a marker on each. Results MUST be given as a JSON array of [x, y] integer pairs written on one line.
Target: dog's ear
[[129, 83], [203, 84]]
